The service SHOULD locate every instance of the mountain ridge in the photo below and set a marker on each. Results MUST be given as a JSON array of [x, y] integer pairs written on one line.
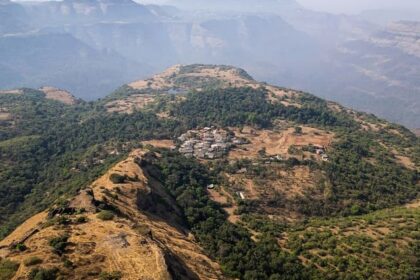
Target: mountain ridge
[[209, 171], [276, 41], [148, 250]]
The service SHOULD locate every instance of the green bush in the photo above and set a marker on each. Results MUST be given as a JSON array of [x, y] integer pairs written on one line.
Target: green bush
[[8, 269], [21, 247], [43, 274], [68, 263], [105, 215], [117, 178], [81, 220], [32, 261], [62, 220], [59, 244]]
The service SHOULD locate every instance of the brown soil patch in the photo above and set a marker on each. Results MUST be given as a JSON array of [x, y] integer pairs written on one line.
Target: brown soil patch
[[130, 104], [368, 126], [414, 204], [406, 162], [84, 200], [278, 143], [335, 107], [165, 80], [160, 143], [12, 91], [290, 183], [223, 197], [158, 81], [403, 160], [59, 95], [273, 195], [5, 116]]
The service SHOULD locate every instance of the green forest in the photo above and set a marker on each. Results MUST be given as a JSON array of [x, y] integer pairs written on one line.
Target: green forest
[[49, 151]]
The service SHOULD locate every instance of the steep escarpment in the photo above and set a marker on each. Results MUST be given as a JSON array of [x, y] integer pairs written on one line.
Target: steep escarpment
[[124, 223], [383, 67]]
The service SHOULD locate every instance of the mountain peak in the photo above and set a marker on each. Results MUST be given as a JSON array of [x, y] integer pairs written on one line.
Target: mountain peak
[[195, 76]]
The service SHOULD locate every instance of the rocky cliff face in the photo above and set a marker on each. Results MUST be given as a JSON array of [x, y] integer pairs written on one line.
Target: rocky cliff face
[[86, 11], [12, 17], [403, 35], [382, 70]]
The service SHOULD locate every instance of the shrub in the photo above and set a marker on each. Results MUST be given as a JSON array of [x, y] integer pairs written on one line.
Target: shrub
[[105, 215], [8, 269], [21, 247], [115, 275], [63, 220], [59, 244], [81, 220], [32, 261], [117, 178], [43, 274], [68, 263]]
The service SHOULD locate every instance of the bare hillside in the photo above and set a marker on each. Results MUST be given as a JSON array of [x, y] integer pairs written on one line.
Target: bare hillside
[[136, 240]]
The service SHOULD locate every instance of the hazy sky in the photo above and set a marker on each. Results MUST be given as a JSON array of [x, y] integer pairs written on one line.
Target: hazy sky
[[339, 6], [355, 6]]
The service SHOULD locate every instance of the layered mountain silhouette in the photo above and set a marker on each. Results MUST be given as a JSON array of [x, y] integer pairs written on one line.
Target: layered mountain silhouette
[[276, 41]]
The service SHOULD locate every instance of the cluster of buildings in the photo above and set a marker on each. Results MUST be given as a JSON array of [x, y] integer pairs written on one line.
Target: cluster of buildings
[[208, 143]]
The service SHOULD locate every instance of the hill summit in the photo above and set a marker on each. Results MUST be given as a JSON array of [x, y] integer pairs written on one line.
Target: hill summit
[[202, 172]]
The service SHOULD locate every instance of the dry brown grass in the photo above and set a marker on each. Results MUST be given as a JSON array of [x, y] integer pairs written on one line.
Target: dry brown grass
[[160, 143], [414, 204], [281, 186], [158, 81], [130, 104], [226, 77], [59, 95], [278, 143], [24, 228], [291, 182], [406, 162], [138, 243], [222, 197], [50, 93]]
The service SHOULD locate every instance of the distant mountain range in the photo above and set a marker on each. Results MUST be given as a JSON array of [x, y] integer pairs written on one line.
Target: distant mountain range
[[91, 46]]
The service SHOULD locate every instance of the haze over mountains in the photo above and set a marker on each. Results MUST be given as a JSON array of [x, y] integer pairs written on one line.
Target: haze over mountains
[[100, 44]]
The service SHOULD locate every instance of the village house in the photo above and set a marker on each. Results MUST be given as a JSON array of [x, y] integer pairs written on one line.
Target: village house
[[208, 143], [241, 195]]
